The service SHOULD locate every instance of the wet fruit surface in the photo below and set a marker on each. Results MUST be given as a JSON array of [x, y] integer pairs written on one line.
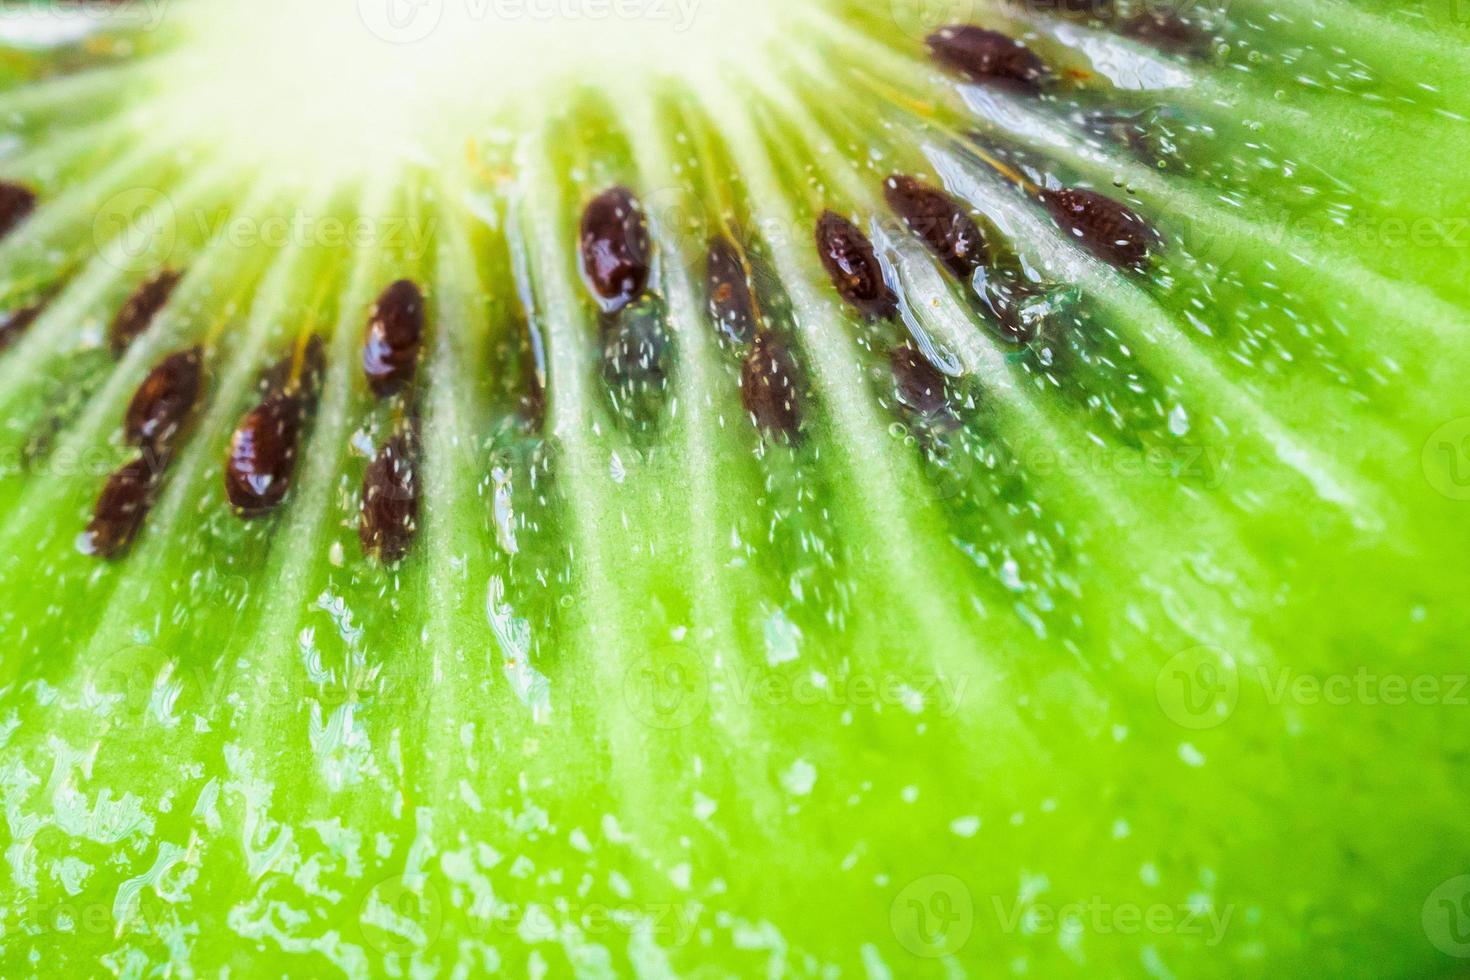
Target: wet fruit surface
[[1067, 585]]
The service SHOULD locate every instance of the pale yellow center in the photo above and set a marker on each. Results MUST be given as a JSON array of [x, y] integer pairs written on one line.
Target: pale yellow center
[[356, 84]]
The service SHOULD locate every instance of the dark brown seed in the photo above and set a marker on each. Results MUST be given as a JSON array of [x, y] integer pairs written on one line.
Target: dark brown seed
[[138, 312], [16, 204], [987, 56], [920, 386], [164, 400], [1007, 301], [616, 250], [390, 501], [1112, 232], [731, 302], [848, 257], [1168, 31], [941, 222], [262, 458], [1151, 133], [14, 324], [636, 345], [264, 447], [283, 376], [313, 368], [123, 504], [395, 332], [768, 387], [638, 360]]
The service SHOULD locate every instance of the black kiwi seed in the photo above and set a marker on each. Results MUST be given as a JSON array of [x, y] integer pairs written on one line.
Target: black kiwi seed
[[616, 250], [262, 458], [987, 56], [308, 379], [768, 387], [16, 204], [940, 222], [1112, 232], [142, 306], [1006, 298], [390, 500], [164, 401], [849, 259], [14, 324], [124, 502], [266, 442], [731, 303], [636, 344], [395, 333], [637, 360], [919, 385], [1167, 30]]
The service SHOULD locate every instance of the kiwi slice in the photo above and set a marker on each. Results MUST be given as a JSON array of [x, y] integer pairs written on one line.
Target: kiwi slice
[[809, 488]]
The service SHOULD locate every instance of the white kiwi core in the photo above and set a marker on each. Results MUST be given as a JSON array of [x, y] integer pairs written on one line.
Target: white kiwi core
[[357, 84]]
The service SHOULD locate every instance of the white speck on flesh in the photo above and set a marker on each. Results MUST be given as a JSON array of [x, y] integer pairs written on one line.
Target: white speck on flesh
[[782, 638], [1179, 421], [800, 778], [965, 826], [704, 807]]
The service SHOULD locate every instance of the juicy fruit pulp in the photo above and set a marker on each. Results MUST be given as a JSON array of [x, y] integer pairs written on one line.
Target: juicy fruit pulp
[[1006, 476]]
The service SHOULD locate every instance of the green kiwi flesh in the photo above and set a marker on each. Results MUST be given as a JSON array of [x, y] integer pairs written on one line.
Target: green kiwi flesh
[[939, 496]]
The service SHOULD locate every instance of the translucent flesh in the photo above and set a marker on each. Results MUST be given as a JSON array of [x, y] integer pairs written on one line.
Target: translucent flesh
[[678, 699]]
